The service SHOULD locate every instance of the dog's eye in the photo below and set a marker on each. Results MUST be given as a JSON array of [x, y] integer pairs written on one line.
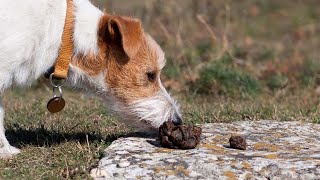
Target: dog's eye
[[151, 76]]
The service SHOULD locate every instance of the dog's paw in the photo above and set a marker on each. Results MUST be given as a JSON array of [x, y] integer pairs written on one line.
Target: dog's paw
[[8, 151]]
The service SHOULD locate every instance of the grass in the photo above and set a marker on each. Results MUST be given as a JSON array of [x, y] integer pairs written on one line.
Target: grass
[[224, 79], [65, 145], [70, 144], [280, 108], [227, 61]]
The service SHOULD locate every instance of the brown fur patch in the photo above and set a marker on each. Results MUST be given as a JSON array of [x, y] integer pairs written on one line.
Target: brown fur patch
[[129, 81], [90, 63], [127, 57], [122, 32]]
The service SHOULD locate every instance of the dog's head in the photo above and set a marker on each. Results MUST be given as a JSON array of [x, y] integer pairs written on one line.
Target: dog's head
[[125, 73]]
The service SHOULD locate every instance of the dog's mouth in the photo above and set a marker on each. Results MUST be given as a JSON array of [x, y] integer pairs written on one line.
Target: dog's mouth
[[148, 113], [143, 124]]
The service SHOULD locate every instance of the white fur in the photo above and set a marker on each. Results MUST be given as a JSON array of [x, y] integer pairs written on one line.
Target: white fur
[[30, 38], [157, 50], [31, 32], [154, 110], [85, 33], [6, 150], [160, 107]]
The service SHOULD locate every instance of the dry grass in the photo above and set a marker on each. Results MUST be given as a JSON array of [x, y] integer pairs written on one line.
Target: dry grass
[[64, 145]]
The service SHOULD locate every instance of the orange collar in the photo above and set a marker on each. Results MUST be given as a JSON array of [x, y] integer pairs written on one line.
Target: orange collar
[[66, 50]]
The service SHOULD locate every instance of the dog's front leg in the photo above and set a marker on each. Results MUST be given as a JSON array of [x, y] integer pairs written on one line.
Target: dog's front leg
[[6, 150]]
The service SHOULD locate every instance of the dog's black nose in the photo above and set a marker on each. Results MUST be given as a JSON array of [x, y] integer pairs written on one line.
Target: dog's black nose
[[177, 120]]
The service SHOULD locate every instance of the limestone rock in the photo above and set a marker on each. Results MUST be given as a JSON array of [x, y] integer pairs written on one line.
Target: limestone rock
[[275, 150]]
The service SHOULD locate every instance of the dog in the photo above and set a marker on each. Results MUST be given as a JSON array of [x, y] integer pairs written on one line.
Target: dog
[[112, 58]]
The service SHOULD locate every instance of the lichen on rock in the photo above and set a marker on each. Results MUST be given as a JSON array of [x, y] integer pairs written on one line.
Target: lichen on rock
[[282, 150]]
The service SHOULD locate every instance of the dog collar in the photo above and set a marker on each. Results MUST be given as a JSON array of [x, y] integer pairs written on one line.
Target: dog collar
[[61, 67]]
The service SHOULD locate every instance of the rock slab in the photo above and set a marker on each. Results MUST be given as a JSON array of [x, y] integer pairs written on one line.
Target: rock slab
[[275, 150]]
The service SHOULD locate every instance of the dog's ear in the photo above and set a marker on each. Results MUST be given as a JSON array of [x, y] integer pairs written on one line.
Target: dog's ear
[[124, 33]]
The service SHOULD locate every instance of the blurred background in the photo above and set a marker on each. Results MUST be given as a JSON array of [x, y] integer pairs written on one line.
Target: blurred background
[[234, 50]]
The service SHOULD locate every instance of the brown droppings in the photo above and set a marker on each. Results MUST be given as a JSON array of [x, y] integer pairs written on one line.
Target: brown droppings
[[180, 136], [238, 142]]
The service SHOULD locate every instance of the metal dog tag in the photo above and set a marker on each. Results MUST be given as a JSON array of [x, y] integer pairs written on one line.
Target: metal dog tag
[[56, 104]]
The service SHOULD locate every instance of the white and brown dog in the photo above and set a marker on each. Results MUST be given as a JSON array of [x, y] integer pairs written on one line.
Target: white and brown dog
[[112, 57]]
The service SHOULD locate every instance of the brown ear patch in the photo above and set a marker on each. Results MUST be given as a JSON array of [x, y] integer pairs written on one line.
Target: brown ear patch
[[121, 32], [119, 39], [129, 82], [126, 56], [89, 63]]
